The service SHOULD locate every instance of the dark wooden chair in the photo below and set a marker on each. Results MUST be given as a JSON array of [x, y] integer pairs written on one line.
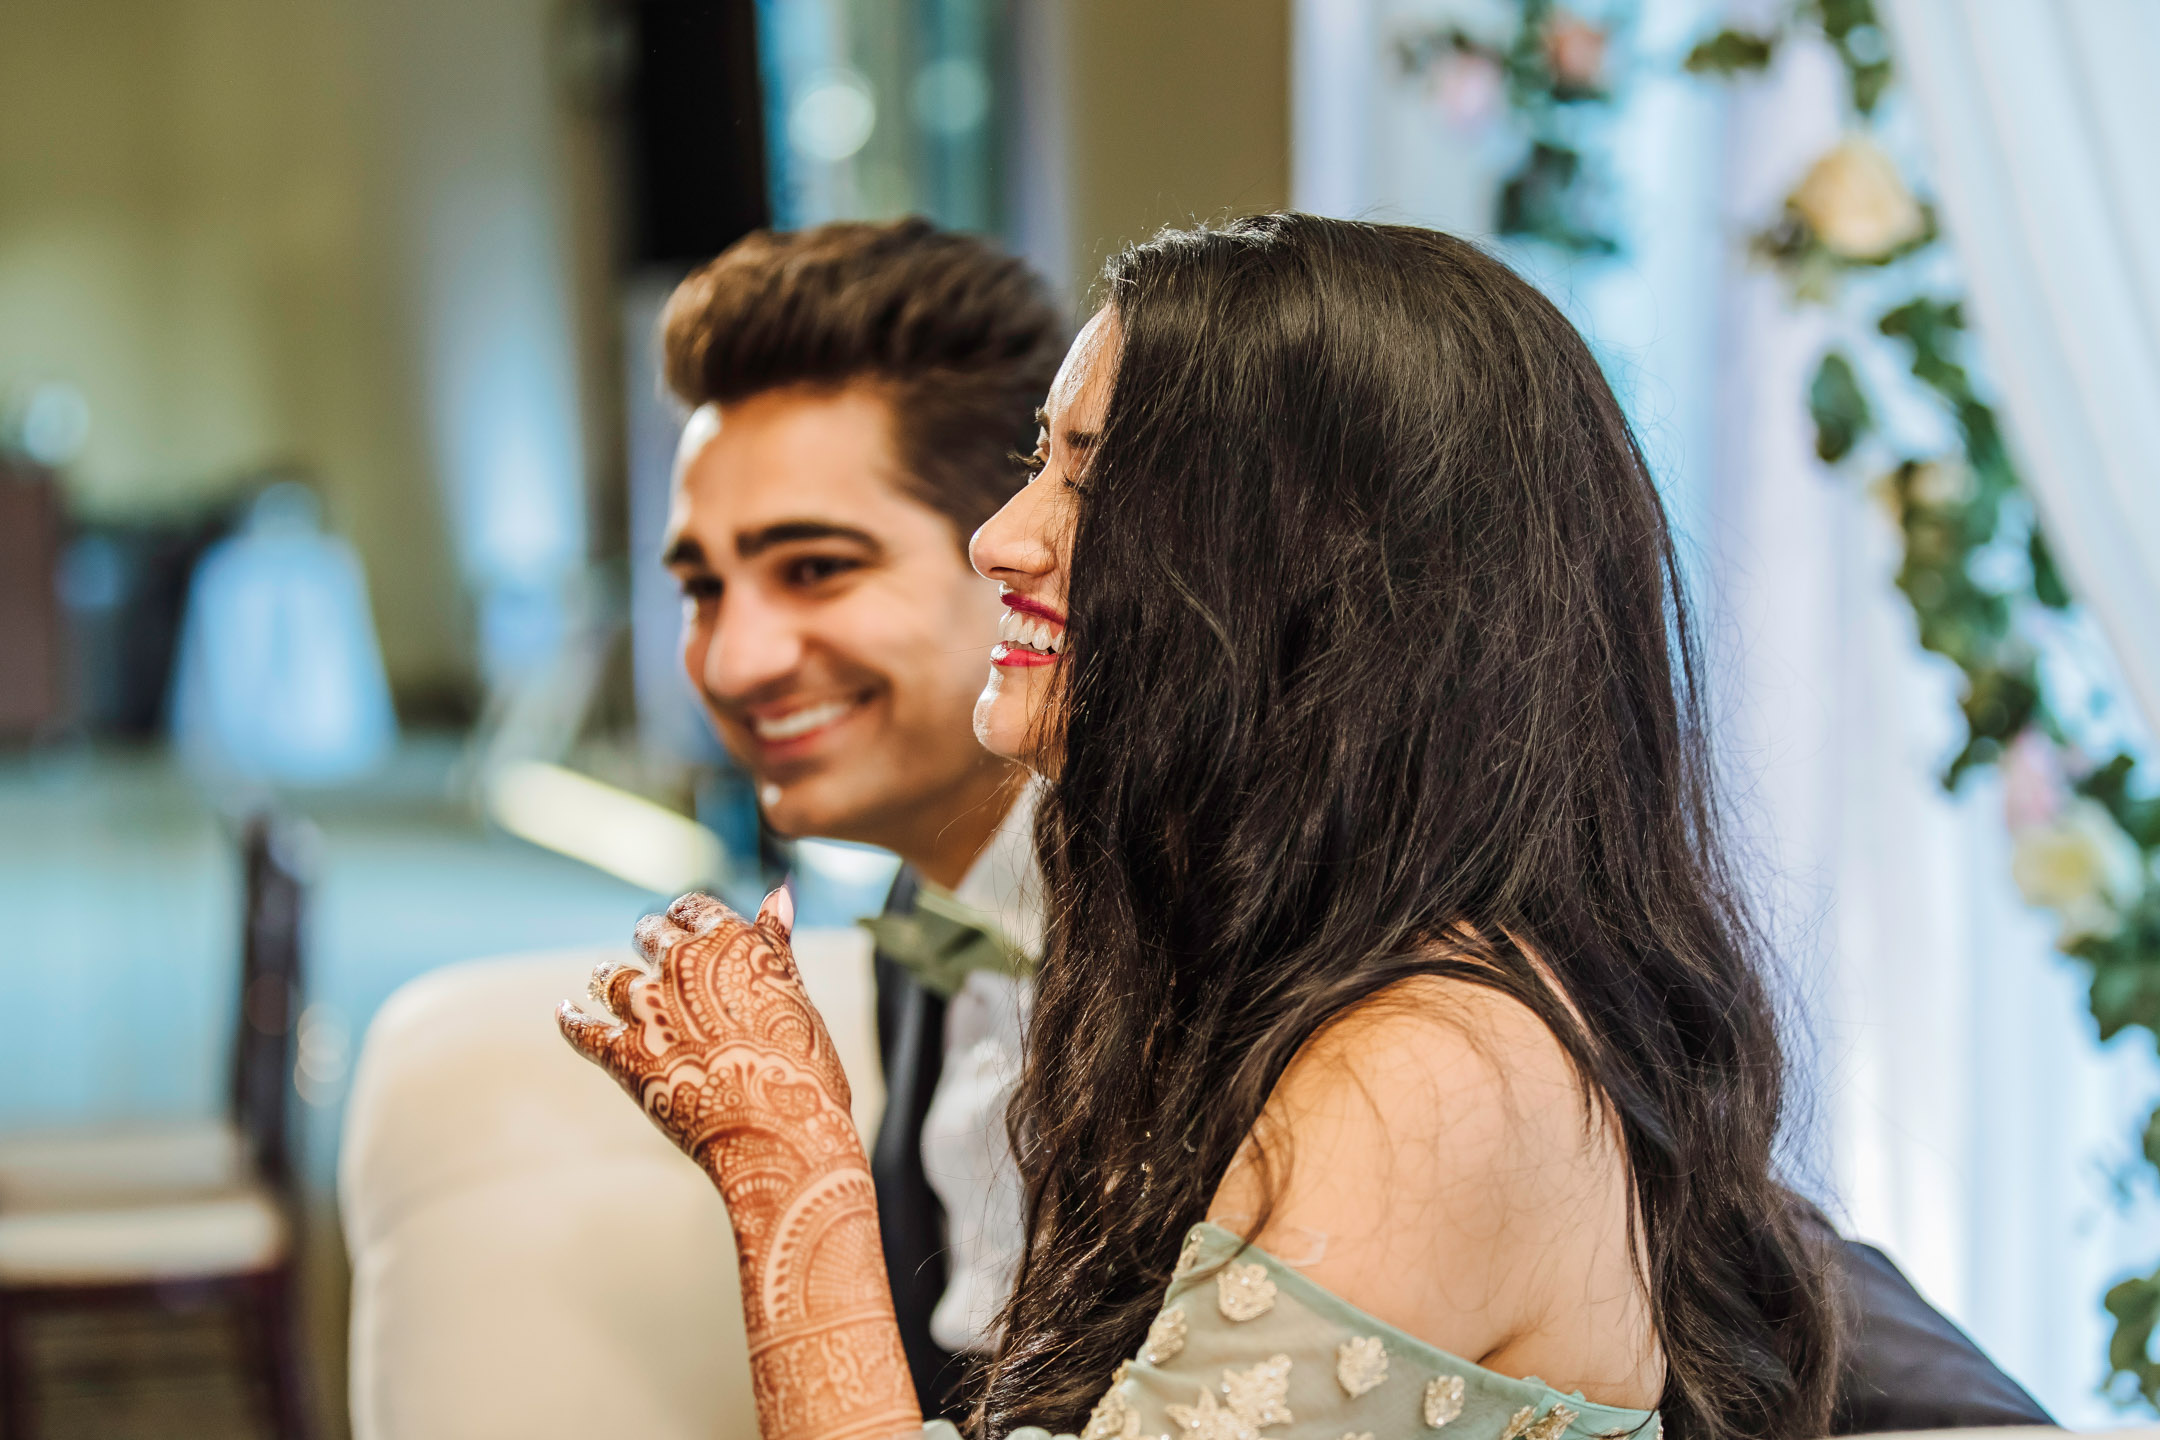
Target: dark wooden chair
[[176, 1215], [30, 633]]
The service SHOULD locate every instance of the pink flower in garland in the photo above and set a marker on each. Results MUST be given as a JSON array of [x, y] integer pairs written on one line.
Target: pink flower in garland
[[1574, 51], [2035, 788], [1468, 88]]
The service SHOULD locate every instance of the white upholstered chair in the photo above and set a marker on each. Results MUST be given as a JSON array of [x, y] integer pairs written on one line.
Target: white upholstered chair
[[531, 1258]]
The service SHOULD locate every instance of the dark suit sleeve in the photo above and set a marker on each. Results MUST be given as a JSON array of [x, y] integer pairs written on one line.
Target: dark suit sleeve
[[1906, 1366]]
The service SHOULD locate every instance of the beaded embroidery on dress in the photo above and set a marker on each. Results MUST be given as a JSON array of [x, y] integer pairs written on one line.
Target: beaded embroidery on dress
[[1247, 1348]]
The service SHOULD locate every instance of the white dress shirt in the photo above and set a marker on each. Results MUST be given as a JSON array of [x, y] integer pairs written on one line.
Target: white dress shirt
[[966, 1157]]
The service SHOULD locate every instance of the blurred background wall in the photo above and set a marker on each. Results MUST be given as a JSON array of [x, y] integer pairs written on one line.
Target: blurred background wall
[[199, 208], [1213, 75], [380, 243]]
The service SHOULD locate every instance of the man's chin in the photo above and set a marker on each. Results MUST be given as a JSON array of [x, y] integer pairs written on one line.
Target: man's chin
[[811, 806], [860, 802]]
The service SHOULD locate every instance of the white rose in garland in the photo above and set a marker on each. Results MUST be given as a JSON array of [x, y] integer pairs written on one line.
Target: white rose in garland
[[1857, 204], [2080, 865], [1942, 482]]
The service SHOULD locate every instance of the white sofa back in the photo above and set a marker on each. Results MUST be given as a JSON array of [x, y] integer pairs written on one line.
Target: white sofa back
[[531, 1258]]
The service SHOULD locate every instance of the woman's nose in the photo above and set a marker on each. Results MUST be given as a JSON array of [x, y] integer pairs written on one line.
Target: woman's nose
[[1014, 544]]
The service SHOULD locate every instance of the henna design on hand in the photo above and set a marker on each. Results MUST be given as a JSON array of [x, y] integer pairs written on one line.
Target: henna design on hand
[[721, 1046]]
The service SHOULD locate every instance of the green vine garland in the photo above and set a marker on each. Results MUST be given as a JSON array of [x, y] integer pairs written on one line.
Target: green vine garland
[[2088, 854], [1551, 74]]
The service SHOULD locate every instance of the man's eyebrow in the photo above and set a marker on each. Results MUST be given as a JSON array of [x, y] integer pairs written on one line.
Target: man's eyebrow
[[751, 543], [685, 551]]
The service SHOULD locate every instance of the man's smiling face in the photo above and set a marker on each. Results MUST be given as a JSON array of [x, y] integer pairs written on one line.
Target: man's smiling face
[[831, 621]]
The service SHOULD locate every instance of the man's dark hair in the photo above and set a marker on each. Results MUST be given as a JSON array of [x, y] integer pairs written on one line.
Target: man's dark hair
[[963, 340]]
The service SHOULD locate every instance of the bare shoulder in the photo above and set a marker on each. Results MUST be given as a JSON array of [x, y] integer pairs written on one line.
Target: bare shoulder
[[1435, 1019], [1448, 1062], [1431, 1157]]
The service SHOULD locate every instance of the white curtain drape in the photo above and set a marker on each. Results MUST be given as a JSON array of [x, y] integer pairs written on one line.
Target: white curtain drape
[[2043, 119], [1963, 1116]]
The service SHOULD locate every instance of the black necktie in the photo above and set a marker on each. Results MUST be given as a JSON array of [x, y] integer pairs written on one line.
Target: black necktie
[[911, 1222]]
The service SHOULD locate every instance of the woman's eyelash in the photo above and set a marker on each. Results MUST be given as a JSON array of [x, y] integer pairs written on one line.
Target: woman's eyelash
[[1035, 464]]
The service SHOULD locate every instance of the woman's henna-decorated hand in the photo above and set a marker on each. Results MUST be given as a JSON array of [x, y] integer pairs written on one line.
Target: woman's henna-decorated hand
[[722, 1047]]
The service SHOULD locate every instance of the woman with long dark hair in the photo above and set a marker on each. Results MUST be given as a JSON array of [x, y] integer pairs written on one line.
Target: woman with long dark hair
[[1400, 1058]]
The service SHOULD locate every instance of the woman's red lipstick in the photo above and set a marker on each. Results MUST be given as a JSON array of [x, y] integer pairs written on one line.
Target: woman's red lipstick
[[1032, 607], [1025, 655]]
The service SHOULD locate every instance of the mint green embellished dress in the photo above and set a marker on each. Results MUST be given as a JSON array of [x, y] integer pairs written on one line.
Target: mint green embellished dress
[[1249, 1349]]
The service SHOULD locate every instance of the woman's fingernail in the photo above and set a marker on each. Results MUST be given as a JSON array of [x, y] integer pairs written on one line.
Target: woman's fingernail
[[781, 906]]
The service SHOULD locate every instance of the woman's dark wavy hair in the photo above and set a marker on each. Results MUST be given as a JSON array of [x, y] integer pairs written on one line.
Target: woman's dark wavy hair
[[1377, 666]]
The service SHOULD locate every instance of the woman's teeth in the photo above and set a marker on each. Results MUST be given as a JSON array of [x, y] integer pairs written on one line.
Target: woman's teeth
[[798, 723], [1016, 628]]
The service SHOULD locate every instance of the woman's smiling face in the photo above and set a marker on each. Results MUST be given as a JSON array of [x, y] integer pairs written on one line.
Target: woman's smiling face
[[1027, 546]]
